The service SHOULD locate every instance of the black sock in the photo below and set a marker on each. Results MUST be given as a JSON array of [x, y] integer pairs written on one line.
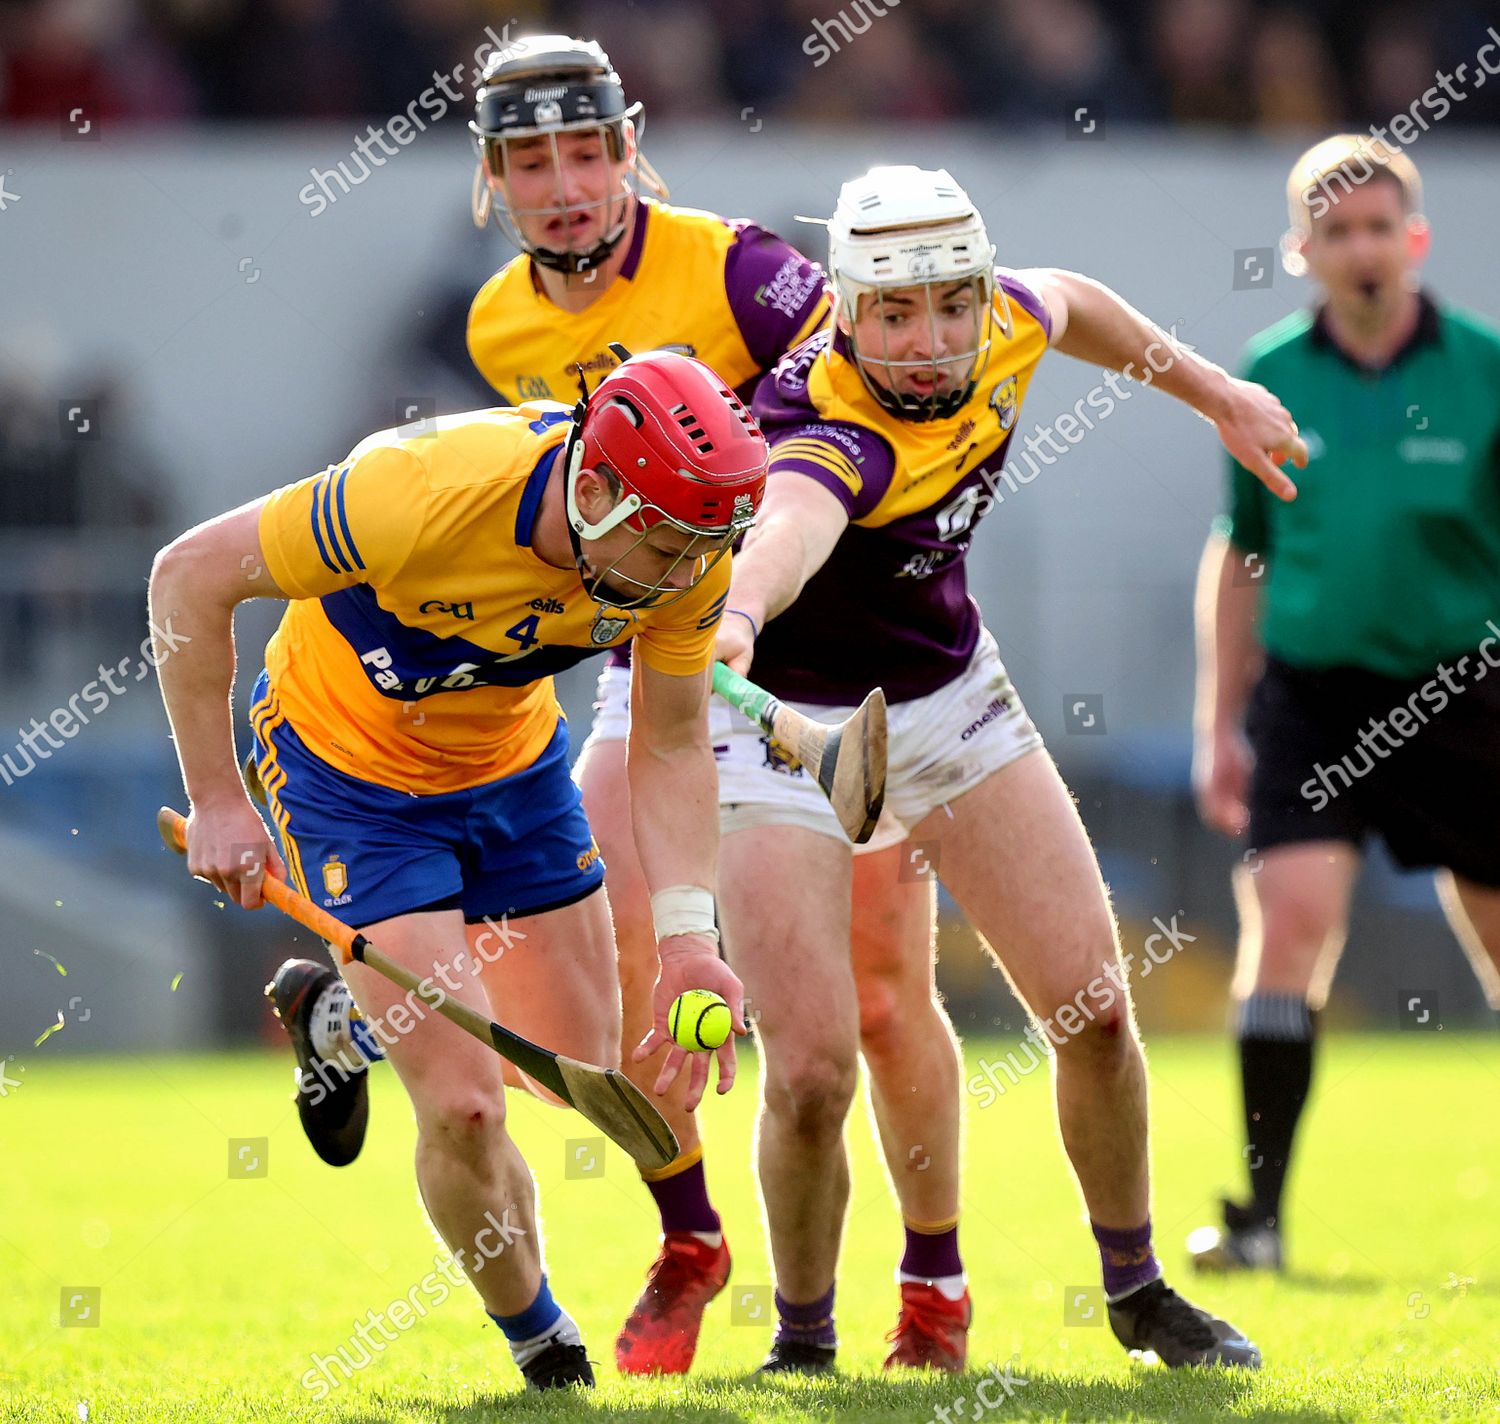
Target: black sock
[[1276, 1034]]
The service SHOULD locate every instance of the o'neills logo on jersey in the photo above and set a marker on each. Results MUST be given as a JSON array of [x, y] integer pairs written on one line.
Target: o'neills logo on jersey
[[964, 431], [599, 361], [1003, 402]]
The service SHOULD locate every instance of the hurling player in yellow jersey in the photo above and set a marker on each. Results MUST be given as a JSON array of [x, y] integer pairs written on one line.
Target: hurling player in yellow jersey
[[415, 757], [887, 432]]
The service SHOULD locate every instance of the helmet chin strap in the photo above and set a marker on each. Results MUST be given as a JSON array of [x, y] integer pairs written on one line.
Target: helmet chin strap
[[576, 263]]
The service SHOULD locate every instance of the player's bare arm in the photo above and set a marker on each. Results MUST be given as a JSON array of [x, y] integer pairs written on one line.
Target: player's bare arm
[[675, 810], [1230, 659], [1097, 325], [199, 579], [793, 536]]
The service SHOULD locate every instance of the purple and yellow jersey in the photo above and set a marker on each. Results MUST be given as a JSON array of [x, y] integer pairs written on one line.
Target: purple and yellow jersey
[[891, 607], [732, 294], [419, 646]]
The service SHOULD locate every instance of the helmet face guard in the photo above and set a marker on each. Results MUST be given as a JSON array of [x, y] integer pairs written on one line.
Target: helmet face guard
[[537, 91], [680, 452], [950, 375], [612, 587], [911, 241]]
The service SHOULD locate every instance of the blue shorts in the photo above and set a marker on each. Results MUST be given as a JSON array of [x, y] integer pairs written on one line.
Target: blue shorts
[[365, 853]]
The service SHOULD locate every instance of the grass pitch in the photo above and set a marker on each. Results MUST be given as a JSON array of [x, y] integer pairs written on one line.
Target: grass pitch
[[216, 1291]]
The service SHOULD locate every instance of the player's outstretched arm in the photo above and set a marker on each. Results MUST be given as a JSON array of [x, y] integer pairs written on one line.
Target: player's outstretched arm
[[196, 583], [1097, 325], [794, 533], [674, 808], [1230, 656]]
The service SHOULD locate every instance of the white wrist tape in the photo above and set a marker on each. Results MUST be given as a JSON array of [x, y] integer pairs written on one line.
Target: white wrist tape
[[684, 909]]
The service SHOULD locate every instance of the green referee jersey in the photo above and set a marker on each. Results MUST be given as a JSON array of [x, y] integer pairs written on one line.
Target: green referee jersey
[[1389, 557]]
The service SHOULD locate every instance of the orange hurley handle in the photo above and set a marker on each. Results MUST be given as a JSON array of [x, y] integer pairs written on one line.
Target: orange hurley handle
[[173, 828], [604, 1096]]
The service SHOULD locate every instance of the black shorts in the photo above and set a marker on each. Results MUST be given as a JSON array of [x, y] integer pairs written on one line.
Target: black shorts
[[1428, 784]]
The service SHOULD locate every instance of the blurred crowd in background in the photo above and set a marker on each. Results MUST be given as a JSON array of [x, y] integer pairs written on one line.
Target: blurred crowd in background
[[1253, 64]]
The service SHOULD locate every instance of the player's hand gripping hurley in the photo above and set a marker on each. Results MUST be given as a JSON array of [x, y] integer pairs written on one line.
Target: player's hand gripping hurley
[[605, 1096]]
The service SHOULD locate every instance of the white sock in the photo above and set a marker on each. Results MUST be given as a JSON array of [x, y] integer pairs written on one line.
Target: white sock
[[562, 1331], [949, 1287]]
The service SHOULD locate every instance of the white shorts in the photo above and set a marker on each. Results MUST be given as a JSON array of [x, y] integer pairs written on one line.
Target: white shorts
[[611, 706], [940, 746]]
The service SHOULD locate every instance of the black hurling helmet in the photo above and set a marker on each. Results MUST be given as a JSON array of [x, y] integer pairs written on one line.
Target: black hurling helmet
[[542, 87]]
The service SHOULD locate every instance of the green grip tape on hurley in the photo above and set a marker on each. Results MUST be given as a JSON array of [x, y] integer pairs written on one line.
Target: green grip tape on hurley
[[743, 695]]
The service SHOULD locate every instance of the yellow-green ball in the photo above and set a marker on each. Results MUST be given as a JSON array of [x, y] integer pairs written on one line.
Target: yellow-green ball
[[699, 1020]]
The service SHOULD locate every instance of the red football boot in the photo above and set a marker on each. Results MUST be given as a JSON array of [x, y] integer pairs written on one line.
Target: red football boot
[[933, 1331], [661, 1334]]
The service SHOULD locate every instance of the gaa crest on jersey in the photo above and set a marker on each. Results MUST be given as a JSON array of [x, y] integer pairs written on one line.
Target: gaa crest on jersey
[[1003, 402], [606, 630], [335, 880]]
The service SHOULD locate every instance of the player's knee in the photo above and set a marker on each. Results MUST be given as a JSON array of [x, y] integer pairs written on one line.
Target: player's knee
[[890, 1018], [812, 1094], [461, 1123], [880, 1013], [1104, 1035]]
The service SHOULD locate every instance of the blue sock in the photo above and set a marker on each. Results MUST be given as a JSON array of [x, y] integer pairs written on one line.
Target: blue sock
[[541, 1315], [535, 1328]]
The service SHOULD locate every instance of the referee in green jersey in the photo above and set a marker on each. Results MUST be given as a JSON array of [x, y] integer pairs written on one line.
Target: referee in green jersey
[[1349, 641]]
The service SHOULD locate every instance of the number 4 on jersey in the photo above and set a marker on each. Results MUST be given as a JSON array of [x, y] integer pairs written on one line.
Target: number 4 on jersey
[[524, 632]]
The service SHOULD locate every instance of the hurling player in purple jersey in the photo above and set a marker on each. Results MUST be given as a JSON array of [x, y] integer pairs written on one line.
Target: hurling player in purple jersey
[[888, 431]]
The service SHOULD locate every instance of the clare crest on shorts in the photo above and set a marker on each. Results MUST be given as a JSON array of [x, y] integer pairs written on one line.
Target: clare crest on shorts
[[335, 877], [1003, 402]]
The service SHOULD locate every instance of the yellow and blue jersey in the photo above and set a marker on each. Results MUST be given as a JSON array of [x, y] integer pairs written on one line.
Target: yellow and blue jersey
[[423, 632], [890, 607]]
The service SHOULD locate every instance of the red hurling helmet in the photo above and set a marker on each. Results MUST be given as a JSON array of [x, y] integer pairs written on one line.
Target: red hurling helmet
[[681, 450]]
